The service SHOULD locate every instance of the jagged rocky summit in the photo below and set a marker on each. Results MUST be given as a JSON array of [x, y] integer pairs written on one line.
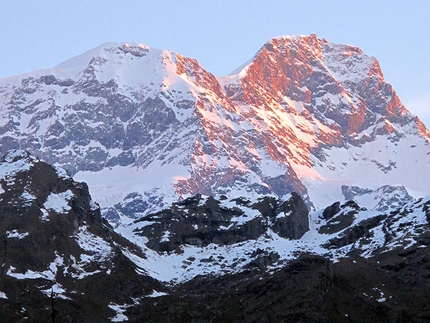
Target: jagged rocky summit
[[303, 115]]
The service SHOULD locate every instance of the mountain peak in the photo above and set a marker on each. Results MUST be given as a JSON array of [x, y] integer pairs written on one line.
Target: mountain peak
[[15, 161], [105, 50], [304, 39]]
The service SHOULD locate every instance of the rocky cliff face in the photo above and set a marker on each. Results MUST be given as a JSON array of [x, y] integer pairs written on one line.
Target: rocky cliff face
[[390, 287], [337, 85], [326, 109], [199, 222]]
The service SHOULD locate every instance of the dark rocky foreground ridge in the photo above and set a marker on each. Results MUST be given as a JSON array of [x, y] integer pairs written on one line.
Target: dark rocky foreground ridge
[[54, 240]]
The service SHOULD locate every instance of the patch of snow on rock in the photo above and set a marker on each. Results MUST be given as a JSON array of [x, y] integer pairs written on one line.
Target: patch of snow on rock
[[119, 309], [59, 202], [16, 234]]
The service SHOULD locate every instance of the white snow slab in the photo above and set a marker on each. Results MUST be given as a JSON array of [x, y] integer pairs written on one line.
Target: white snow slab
[[119, 309], [59, 202]]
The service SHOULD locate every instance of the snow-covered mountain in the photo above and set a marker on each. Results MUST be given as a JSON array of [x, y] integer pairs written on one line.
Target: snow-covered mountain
[[303, 115], [212, 181], [302, 165]]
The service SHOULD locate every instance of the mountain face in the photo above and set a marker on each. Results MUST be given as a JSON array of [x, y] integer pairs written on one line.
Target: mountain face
[[304, 115], [302, 165]]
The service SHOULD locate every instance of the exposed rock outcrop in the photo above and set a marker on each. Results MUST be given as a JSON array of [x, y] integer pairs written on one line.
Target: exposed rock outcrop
[[200, 221]]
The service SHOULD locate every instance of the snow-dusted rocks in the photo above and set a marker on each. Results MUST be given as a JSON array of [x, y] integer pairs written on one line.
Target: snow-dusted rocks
[[53, 238], [199, 221], [55, 241]]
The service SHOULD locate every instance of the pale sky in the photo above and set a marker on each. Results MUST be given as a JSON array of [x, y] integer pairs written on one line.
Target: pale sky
[[221, 34]]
